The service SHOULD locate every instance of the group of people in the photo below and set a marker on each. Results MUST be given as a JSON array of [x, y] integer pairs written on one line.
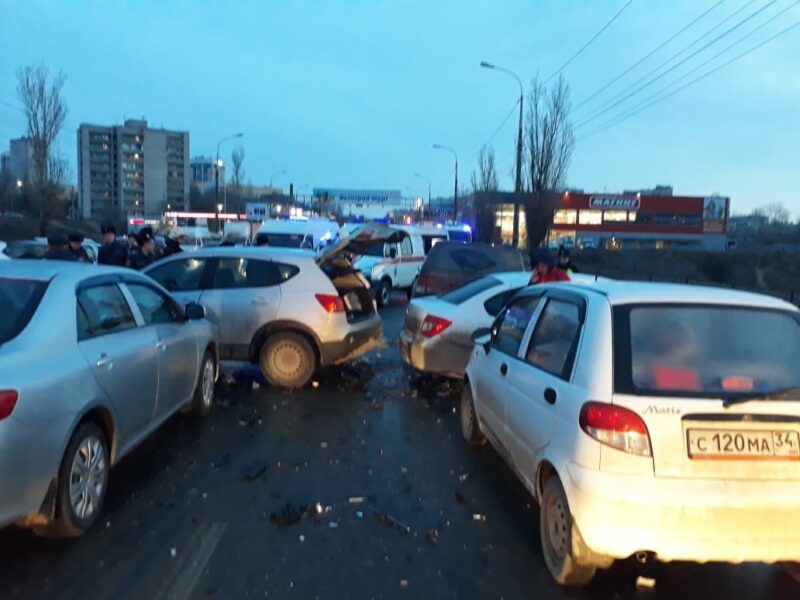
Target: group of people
[[546, 269], [139, 252]]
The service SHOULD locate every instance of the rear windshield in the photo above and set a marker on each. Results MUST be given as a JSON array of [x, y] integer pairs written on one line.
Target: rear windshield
[[280, 240], [699, 351], [19, 300], [465, 292]]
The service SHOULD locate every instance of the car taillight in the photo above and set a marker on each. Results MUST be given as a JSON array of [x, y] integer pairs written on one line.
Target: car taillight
[[617, 427], [8, 400], [331, 303], [432, 326]]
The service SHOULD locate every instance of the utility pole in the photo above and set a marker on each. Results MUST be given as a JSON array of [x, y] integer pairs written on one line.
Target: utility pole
[[216, 165]]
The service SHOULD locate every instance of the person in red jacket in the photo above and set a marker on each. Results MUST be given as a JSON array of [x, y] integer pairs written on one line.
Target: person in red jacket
[[545, 269]]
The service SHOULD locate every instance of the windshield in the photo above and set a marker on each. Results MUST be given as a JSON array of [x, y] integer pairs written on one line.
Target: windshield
[[280, 240], [470, 290], [712, 351], [19, 300]]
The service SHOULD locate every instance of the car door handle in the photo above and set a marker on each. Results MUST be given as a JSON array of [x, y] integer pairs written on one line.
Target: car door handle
[[260, 301], [550, 396], [161, 346], [503, 369], [104, 362]]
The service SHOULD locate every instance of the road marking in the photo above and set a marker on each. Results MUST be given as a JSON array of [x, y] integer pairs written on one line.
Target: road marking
[[190, 566]]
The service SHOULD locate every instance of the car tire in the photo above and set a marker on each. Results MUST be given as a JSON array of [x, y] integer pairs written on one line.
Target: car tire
[[792, 569], [287, 360], [203, 398], [384, 292], [470, 428], [85, 467], [559, 542]]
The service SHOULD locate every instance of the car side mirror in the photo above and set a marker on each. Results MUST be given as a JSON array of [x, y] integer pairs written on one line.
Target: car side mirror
[[195, 311], [392, 252], [483, 337]]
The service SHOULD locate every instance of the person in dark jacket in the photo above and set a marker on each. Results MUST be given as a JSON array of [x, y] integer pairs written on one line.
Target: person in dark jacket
[[545, 269], [58, 248], [147, 251], [171, 246], [76, 247], [565, 262], [112, 252]]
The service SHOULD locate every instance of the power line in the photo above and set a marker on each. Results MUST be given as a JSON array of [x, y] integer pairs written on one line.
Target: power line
[[632, 110], [587, 44], [673, 67], [679, 53], [645, 57], [708, 73]]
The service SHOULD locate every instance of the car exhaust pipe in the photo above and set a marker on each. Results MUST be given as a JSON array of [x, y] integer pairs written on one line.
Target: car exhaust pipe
[[643, 557]]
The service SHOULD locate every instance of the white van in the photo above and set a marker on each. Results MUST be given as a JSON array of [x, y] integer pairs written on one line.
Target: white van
[[392, 266], [300, 232]]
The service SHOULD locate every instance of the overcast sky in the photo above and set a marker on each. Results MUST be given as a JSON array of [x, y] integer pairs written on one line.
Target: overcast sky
[[353, 93]]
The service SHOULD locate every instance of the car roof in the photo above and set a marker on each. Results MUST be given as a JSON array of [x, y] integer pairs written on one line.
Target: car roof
[[641, 292], [251, 251], [45, 270]]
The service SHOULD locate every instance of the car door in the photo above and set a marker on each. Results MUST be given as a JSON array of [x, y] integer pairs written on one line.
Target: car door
[[122, 356], [177, 345], [183, 277], [407, 267], [243, 294], [491, 379], [541, 382]]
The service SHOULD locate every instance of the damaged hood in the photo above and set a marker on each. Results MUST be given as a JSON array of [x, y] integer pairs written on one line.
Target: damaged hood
[[358, 241]]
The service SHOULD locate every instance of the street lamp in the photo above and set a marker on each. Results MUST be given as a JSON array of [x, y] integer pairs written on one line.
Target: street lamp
[[217, 165], [281, 172], [455, 192], [421, 176], [518, 181]]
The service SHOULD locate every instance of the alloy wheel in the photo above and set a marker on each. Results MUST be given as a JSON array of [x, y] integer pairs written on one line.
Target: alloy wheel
[[88, 477]]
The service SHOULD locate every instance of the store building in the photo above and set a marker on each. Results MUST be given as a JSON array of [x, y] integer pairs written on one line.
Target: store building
[[366, 204]]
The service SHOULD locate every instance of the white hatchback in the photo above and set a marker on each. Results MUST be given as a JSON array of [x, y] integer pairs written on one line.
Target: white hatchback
[[648, 420]]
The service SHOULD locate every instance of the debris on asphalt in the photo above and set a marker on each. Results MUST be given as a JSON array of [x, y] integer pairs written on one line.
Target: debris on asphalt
[[645, 582], [463, 477], [302, 538], [357, 499], [254, 470], [249, 419], [333, 525], [404, 583], [289, 515], [376, 405], [255, 386], [432, 536], [459, 497], [359, 514], [315, 384], [173, 552], [478, 517], [385, 517], [222, 461]]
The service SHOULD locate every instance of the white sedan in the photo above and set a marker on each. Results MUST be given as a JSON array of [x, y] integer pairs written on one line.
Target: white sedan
[[649, 420]]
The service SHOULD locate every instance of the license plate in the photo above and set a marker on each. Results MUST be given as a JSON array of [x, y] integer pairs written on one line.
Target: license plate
[[711, 444]]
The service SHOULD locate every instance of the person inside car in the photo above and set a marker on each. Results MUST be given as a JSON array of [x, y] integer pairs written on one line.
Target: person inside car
[[545, 269]]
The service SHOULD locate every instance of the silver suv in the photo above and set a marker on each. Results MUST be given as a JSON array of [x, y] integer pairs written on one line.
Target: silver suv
[[286, 310]]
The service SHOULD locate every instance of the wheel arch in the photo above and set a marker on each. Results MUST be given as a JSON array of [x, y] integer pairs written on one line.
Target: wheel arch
[[281, 326], [544, 472]]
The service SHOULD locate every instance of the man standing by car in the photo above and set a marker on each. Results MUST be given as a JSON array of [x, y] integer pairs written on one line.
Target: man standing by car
[[147, 250], [545, 269], [76, 247], [111, 252], [58, 248]]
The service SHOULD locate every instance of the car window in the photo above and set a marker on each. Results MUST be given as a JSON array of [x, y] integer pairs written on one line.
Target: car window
[[555, 338], [406, 249], [716, 351], [470, 290], [155, 307], [101, 310], [180, 275], [19, 300], [429, 241], [512, 324], [234, 273], [495, 304]]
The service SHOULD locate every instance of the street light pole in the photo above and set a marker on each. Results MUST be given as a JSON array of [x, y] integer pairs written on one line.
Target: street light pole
[[281, 172], [455, 189], [421, 176], [216, 165], [518, 181]]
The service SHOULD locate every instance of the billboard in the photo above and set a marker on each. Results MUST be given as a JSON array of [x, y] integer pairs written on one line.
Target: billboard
[[715, 212], [615, 202]]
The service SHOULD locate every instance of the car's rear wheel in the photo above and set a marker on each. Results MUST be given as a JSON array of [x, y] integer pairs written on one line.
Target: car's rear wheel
[[288, 360], [559, 542], [82, 483], [793, 570], [204, 391], [470, 428], [384, 292]]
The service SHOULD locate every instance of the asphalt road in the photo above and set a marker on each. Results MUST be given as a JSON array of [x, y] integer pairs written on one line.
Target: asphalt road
[[255, 501]]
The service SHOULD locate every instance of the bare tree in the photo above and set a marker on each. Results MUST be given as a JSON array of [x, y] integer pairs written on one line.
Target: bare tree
[[45, 111], [550, 142], [237, 158], [485, 180], [776, 212]]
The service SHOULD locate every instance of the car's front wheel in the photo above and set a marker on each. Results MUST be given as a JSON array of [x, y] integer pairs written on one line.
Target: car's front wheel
[[384, 292], [203, 398], [288, 360], [82, 483], [559, 542], [470, 428]]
